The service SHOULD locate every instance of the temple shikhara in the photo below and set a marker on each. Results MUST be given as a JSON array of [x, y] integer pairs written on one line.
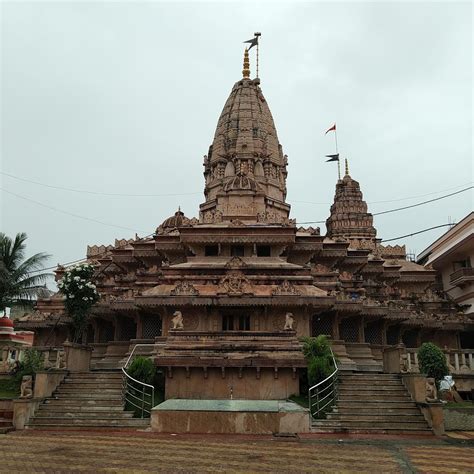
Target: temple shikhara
[[223, 294]]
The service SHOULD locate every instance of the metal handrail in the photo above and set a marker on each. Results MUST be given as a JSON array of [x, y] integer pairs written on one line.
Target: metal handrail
[[132, 387], [329, 385]]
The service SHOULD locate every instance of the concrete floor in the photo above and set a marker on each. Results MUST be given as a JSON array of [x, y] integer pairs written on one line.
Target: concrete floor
[[127, 452]]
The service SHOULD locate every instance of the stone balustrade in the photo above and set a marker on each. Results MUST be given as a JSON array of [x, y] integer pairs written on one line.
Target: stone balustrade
[[460, 361]]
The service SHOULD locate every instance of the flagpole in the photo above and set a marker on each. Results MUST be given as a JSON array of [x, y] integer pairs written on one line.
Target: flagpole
[[338, 162], [257, 35]]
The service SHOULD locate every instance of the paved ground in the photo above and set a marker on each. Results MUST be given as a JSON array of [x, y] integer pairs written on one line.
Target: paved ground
[[57, 452]]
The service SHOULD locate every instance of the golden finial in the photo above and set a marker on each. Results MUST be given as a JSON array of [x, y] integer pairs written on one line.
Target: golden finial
[[246, 70], [347, 168]]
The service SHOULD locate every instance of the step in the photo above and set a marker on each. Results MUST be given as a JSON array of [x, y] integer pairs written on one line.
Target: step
[[116, 401], [371, 376], [5, 423], [405, 425], [411, 410], [390, 431], [379, 397], [353, 382], [83, 414], [354, 405], [385, 417], [71, 407], [88, 383], [110, 422], [373, 389], [68, 390], [89, 396], [85, 427]]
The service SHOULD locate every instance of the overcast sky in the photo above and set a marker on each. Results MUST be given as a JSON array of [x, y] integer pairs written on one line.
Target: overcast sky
[[124, 98]]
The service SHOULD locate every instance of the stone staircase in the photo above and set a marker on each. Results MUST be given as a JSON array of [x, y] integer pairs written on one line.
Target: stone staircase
[[373, 403], [87, 400], [6, 421]]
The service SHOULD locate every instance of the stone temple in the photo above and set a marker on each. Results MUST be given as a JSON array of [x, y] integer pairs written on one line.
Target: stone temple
[[225, 296]]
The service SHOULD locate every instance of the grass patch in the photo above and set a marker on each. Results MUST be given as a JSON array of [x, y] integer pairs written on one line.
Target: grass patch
[[9, 389], [301, 400], [466, 404]]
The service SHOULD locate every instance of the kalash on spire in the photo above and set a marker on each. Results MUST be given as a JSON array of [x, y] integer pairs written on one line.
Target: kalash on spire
[[245, 169]]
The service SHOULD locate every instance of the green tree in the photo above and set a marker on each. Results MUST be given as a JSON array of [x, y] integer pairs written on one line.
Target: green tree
[[432, 361], [20, 281], [80, 295]]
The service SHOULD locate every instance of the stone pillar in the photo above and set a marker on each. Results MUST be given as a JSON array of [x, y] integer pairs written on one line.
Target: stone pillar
[[361, 329], [23, 410], [139, 321], [117, 327], [335, 327], [78, 357]]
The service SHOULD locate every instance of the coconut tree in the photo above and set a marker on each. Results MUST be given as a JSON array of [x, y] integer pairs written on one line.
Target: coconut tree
[[21, 281]]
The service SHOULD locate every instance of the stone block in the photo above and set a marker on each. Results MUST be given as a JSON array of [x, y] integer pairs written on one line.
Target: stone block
[[47, 381], [78, 357], [23, 410]]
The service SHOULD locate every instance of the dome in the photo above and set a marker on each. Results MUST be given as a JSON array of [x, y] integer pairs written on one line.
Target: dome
[[173, 222], [6, 325]]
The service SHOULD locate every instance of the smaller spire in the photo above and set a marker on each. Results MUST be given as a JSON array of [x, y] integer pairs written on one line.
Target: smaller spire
[[347, 167], [246, 70]]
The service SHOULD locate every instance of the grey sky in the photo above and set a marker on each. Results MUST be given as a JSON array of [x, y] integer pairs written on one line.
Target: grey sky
[[125, 97]]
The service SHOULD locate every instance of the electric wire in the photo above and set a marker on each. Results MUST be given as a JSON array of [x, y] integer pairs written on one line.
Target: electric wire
[[419, 232], [90, 219], [97, 193], [402, 208]]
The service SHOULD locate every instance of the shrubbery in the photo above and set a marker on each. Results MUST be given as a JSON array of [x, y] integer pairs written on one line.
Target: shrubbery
[[317, 352], [432, 361], [142, 369]]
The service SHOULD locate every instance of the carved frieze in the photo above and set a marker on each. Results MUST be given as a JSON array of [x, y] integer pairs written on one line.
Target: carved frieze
[[184, 288], [234, 284], [235, 262], [285, 288]]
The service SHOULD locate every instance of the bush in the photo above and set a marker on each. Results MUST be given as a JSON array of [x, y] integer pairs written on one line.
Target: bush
[[31, 363], [317, 352], [432, 361], [142, 369]]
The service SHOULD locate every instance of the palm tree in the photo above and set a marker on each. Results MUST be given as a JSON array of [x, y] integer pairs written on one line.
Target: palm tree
[[20, 280]]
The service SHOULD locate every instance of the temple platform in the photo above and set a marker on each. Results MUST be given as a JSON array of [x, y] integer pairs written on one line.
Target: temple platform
[[229, 416]]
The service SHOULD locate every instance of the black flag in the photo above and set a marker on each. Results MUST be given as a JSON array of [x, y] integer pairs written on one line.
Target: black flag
[[333, 157], [253, 42]]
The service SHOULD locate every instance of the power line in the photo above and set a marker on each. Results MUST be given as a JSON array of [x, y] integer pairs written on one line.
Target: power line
[[424, 202], [97, 193], [403, 208], [391, 200], [419, 232], [100, 254], [78, 216]]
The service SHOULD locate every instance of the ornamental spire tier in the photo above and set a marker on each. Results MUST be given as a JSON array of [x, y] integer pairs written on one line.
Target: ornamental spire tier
[[349, 219], [245, 169]]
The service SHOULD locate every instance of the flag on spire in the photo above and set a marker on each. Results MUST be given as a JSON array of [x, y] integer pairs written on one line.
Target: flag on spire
[[334, 157], [330, 129], [253, 42]]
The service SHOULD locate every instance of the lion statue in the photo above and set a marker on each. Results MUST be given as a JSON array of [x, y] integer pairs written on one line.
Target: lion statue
[[289, 320], [26, 388], [177, 320]]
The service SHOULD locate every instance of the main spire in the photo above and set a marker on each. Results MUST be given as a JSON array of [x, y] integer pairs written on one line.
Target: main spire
[[245, 169], [246, 69]]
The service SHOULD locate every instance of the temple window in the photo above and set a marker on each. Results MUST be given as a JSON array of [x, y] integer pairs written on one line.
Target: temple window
[[237, 250], [263, 251], [244, 323], [227, 322], [211, 250], [234, 322]]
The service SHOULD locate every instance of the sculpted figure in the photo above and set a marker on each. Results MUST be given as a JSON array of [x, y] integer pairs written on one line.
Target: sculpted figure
[[60, 360], [26, 388], [431, 395], [289, 320], [177, 320]]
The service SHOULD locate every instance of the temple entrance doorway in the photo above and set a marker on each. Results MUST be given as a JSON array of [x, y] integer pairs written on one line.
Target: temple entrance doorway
[[235, 320]]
